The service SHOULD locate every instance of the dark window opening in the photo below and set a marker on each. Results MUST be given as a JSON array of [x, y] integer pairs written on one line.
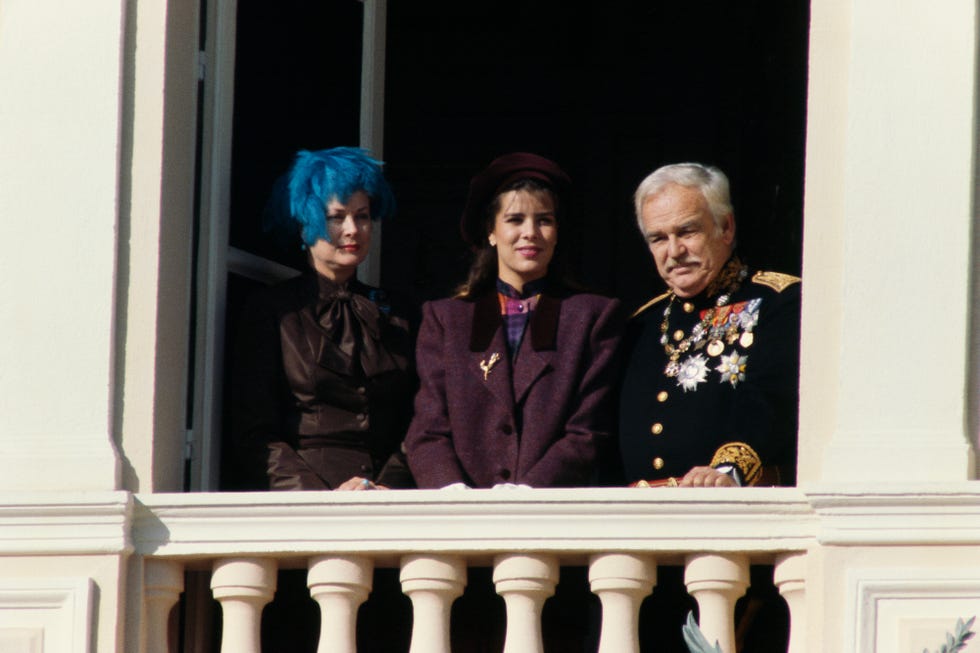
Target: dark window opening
[[610, 91]]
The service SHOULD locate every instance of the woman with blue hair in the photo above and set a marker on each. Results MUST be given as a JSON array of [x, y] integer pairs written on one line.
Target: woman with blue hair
[[323, 373]]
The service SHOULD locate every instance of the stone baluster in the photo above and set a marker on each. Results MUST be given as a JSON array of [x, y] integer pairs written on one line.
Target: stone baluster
[[433, 583], [339, 584], [790, 577], [243, 586], [621, 581], [717, 582], [525, 581], [163, 582]]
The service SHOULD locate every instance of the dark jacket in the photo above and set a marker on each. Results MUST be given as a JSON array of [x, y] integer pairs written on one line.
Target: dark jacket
[[322, 385], [539, 420], [746, 392]]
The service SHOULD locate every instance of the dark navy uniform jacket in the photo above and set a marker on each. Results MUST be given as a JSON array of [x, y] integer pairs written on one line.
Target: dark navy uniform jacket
[[730, 387]]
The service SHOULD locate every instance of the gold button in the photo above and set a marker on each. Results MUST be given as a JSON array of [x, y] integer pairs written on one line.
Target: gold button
[[658, 463], [662, 396], [678, 335], [688, 307], [657, 428]]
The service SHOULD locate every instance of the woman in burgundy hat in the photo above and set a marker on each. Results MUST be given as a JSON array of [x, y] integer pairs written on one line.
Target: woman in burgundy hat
[[517, 369]]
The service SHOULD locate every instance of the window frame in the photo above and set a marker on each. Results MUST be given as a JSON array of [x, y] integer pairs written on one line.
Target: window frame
[[215, 258]]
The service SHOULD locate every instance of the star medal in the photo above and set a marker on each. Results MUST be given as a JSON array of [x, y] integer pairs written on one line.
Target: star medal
[[732, 368], [715, 347], [693, 370]]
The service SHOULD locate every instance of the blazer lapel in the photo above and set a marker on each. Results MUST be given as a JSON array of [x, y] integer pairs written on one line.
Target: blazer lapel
[[488, 357], [544, 323], [494, 370], [528, 368], [539, 346]]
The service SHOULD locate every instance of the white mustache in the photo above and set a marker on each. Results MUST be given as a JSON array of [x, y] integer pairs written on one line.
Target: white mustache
[[674, 263]]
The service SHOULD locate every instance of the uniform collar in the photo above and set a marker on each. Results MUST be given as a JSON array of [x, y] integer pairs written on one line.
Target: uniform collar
[[731, 277]]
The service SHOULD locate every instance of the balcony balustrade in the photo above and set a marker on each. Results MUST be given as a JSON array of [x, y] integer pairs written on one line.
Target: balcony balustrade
[[433, 537], [836, 553]]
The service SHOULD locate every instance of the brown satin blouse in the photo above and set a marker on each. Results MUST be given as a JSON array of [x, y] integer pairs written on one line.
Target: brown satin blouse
[[323, 385]]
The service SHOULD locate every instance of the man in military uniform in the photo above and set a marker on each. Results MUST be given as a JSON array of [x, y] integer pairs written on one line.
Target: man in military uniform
[[710, 392]]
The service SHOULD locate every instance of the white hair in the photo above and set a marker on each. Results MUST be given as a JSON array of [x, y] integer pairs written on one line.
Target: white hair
[[711, 181]]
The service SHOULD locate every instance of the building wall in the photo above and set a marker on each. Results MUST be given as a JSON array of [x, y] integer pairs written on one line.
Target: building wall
[[895, 598], [96, 138], [96, 190], [60, 74], [153, 292], [76, 600], [887, 244], [86, 261]]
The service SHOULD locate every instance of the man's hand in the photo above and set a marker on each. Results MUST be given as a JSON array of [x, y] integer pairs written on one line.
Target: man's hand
[[706, 477]]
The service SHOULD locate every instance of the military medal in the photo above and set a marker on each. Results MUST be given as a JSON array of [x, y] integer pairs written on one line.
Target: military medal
[[691, 371], [732, 368], [731, 335], [747, 339]]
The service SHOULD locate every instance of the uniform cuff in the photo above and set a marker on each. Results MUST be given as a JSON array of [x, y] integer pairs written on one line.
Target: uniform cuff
[[742, 457]]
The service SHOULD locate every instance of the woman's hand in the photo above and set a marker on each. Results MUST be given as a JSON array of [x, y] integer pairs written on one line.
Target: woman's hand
[[357, 483]]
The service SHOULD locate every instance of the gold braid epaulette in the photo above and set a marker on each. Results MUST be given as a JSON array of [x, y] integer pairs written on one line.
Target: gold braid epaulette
[[742, 456], [650, 303], [775, 280]]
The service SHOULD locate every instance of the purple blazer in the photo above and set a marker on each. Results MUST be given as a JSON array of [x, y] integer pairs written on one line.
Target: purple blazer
[[540, 420]]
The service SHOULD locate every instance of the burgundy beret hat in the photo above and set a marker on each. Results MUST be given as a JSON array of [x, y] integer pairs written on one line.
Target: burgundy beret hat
[[501, 172]]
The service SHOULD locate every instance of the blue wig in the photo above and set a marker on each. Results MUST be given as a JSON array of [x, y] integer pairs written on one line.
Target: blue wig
[[317, 177]]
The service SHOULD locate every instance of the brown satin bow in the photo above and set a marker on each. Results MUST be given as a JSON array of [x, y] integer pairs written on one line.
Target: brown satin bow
[[351, 323]]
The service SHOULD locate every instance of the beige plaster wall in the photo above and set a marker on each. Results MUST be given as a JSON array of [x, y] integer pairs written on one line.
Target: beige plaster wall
[[157, 187], [891, 594], [888, 228], [60, 65], [106, 574]]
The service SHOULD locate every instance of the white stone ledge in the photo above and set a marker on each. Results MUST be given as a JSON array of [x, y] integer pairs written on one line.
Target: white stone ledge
[[897, 514], [570, 522], [475, 521], [60, 523], [660, 520]]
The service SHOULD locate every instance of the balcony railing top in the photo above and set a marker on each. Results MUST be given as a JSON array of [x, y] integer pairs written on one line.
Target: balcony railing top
[[665, 521], [475, 521]]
